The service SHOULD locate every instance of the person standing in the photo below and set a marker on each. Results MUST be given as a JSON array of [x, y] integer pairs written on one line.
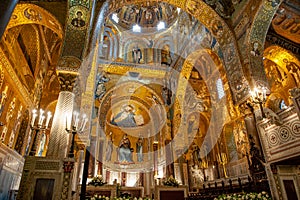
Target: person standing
[[139, 149], [109, 148]]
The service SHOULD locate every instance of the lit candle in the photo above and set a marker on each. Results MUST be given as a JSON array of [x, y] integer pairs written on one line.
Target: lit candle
[[66, 122], [49, 115], [84, 121], [264, 94], [256, 92], [34, 115], [76, 118], [42, 118]]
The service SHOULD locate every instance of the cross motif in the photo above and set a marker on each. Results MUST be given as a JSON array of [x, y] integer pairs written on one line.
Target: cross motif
[[284, 134], [296, 128], [273, 139]]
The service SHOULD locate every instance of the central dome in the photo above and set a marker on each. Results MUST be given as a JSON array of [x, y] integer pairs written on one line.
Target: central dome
[[145, 16]]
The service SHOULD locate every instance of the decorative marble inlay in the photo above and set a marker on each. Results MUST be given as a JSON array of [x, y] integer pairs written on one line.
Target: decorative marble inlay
[[280, 141], [295, 129], [284, 134], [273, 139]]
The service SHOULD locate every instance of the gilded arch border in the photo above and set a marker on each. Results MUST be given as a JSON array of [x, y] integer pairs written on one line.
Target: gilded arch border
[[33, 14], [179, 107], [258, 33], [220, 30]]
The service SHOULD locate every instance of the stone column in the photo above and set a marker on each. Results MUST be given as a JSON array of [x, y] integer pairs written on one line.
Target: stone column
[[58, 142], [147, 183], [169, 159], [251, 128], [271, 171]]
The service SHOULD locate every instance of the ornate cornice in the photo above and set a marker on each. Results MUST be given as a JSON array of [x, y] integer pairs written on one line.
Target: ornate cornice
[[123, 68]]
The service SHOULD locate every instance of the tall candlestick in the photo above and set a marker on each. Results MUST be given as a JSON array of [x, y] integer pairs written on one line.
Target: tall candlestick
[[49, 115], [41, 117], [76, 118], [34, 115], [264, 94], [84, 123], [66, 122]]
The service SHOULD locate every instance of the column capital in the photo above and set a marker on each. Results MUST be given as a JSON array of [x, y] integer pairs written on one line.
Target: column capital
[[67, 72], [67, 80]]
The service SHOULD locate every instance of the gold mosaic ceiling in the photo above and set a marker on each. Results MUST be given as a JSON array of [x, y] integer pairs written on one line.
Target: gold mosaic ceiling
[[145, 15]]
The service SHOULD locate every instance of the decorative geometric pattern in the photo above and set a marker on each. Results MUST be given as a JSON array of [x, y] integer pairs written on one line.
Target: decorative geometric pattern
[[273, 139], [295, 129], [284, 134], [279, 139]]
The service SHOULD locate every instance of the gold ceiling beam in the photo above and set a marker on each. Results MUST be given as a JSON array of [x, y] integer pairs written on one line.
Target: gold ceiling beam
[[144, 70], [45, 44]]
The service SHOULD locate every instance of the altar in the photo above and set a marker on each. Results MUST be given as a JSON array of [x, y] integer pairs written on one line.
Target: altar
[[170, 192], [114, 191], [106, 190]]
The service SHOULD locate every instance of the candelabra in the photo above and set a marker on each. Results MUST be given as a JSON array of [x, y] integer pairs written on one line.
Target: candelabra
[[75, 130], [256, 156], [259, 97], [40, 126]]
